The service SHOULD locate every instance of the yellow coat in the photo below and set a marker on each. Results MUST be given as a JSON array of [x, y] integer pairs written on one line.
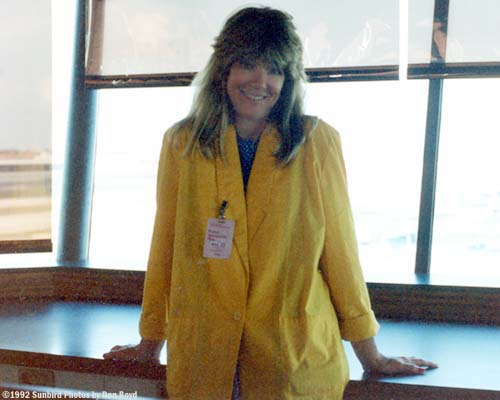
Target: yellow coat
[[291, 289]]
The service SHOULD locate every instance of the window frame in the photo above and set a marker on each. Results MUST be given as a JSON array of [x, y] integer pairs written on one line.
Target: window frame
[[26, 246]]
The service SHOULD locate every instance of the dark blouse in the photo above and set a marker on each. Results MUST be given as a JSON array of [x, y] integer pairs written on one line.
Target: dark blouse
[[247, 149]]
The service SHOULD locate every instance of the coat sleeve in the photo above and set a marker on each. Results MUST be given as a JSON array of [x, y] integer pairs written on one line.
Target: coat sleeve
[[153, 321], [340, 263]]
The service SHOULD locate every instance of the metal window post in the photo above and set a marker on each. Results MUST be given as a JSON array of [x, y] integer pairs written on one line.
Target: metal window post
[[74, 229], [431, 147]]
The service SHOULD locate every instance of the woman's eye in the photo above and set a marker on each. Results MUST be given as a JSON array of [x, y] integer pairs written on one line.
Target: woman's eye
[[274, 70]]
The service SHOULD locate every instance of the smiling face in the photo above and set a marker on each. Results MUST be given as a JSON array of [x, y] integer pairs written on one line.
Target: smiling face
[[253, 88]]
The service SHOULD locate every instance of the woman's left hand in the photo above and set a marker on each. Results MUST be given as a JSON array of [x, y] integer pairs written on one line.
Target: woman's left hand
[[400, 366], [376, 363]]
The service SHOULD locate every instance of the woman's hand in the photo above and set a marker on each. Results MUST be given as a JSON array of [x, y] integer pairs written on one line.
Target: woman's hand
[[400, 366], [375, 363], [147, 351]]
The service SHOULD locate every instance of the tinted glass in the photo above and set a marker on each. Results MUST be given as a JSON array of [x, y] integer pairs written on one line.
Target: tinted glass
[[466, 238], [25, 120], [157, 36]]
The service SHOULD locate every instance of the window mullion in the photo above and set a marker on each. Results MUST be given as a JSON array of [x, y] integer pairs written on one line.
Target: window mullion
[[431, 147], [79, 159]]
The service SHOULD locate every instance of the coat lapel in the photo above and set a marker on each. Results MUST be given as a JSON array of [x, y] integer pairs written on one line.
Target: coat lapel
[[249, 211], [261, 181], [230, 188]]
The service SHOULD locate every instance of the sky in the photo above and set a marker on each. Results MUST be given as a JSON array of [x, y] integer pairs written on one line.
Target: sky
[[25, 74]]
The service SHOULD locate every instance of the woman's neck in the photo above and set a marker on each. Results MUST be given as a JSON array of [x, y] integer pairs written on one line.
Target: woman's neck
[[249, 129]]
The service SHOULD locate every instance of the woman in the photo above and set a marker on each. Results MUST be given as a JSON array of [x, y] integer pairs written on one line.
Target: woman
[[253, 276]]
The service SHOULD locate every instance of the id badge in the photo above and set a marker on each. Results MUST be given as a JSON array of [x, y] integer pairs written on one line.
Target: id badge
[[218, 238]]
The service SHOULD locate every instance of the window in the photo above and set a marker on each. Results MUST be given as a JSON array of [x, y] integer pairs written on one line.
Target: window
[[156, 36], [420, 17], [25, 123], [36, 38], [467, 222], [473, 31], [381, 126], [130, 128], [387, 219]]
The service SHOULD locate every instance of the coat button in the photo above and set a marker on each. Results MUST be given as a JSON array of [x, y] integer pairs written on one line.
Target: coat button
[[237, 316]]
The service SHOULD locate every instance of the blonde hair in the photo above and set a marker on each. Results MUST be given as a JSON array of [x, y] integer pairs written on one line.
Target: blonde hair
[[258, 33]]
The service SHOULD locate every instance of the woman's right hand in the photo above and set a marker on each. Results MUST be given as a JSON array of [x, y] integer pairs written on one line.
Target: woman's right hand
[[147, 351]]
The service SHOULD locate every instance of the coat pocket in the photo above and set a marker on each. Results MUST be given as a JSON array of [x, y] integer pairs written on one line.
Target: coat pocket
[[312, 354]]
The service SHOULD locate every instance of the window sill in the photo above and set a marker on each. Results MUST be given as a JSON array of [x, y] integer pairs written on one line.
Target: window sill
[[72, 336]]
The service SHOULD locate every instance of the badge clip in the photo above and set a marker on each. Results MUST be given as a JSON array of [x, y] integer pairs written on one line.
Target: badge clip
[[222, 210]]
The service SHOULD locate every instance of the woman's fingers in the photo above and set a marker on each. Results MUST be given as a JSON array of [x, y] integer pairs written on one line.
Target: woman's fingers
[[410, 366], [406, 365], [117, 348], [423, 363], [129, 352], [118, 352]]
